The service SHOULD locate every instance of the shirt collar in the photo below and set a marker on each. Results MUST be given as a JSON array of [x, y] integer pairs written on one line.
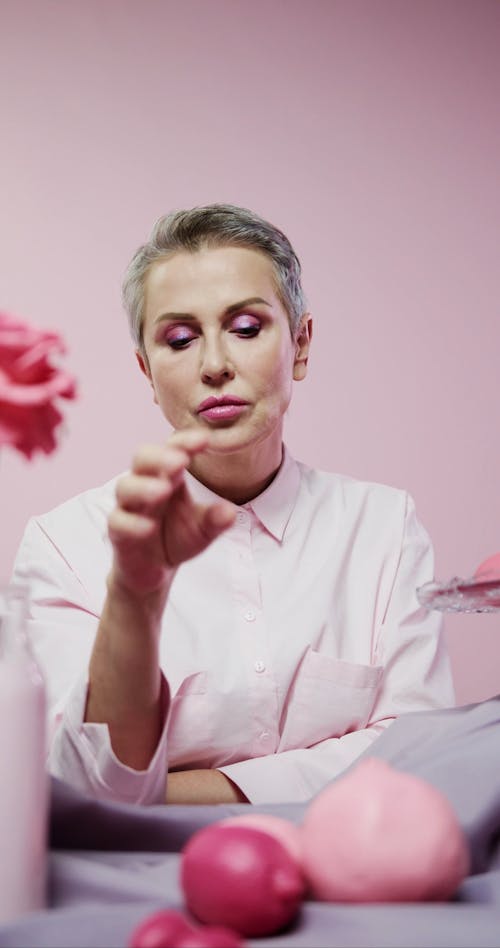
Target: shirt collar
[[274, 506]]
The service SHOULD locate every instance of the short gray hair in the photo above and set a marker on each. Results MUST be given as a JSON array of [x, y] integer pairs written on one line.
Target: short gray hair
[[214, 225]]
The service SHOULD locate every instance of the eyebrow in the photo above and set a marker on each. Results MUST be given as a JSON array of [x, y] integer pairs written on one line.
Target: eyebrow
[[233, 308]]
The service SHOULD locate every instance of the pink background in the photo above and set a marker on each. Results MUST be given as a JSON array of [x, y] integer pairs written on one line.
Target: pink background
[[369, 130]]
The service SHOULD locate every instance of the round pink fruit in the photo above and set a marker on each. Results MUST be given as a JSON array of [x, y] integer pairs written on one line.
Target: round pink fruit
[[285, 832], [379, 835], [171, 929], [160, 930], [210, 936], [241, 878]]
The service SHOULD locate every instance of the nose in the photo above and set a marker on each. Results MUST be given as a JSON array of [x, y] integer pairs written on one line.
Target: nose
[[215, 366]]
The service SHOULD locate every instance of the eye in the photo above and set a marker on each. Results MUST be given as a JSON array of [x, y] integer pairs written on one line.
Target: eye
[[179, 337], [245, 325]]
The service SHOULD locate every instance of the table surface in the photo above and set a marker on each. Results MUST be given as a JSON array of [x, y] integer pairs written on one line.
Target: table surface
[[110, 865]]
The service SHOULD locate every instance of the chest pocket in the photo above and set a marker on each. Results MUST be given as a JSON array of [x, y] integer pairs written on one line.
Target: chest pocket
[[328, 698]]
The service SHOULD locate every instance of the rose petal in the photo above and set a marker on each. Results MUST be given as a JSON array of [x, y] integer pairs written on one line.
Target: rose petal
[[30, 385]]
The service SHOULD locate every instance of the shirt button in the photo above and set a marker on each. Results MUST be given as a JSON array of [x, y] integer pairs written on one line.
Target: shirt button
[[249, 615], [241, 517], [265, 736], [259, 667]]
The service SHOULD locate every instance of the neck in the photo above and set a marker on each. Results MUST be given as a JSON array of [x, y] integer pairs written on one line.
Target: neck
[[237, 478]]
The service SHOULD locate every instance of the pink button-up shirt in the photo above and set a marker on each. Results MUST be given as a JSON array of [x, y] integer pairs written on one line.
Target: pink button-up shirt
[[287, 646]]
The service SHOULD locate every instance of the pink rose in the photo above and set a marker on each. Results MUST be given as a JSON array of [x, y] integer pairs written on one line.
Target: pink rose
[[29, 386]]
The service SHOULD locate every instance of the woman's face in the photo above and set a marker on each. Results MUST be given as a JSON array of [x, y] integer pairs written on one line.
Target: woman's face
[[215, 329]]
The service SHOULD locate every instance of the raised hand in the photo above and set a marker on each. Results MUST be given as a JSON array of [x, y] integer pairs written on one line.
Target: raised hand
[[156, 525]]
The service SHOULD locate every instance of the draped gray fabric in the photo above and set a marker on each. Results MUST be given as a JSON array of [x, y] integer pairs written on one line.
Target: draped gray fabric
[[110, 864]]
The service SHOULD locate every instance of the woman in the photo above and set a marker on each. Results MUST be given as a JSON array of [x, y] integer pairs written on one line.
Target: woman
[[222, 611]]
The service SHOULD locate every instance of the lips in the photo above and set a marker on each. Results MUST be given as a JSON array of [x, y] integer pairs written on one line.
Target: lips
[[223, 410], [214, 402]]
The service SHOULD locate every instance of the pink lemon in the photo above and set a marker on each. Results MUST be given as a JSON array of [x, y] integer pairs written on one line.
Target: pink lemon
[[489, 568], [379, 835], [160, 930], [210, 936], [171, 929], [285, 832], [242, 878]]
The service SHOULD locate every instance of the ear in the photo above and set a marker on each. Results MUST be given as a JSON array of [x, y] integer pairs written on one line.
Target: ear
[[143, 364], [302, 343]]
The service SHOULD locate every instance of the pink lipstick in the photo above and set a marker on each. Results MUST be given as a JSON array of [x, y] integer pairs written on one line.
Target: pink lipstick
[[222, 408]]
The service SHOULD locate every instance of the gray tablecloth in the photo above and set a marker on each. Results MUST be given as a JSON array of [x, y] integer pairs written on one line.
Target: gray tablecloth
[[110, 865]]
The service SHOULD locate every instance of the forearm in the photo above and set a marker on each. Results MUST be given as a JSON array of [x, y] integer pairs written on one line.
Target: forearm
[[124, 674], [202, 786]]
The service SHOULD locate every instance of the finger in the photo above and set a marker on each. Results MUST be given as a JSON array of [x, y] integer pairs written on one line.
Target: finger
[[191, 440], [125, 527], [142, 493], [170, 457], [158, 460], [216, 518]]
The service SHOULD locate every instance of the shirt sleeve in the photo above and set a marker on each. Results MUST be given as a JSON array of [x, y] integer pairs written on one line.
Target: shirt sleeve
[[416, 676], [62, 624]]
